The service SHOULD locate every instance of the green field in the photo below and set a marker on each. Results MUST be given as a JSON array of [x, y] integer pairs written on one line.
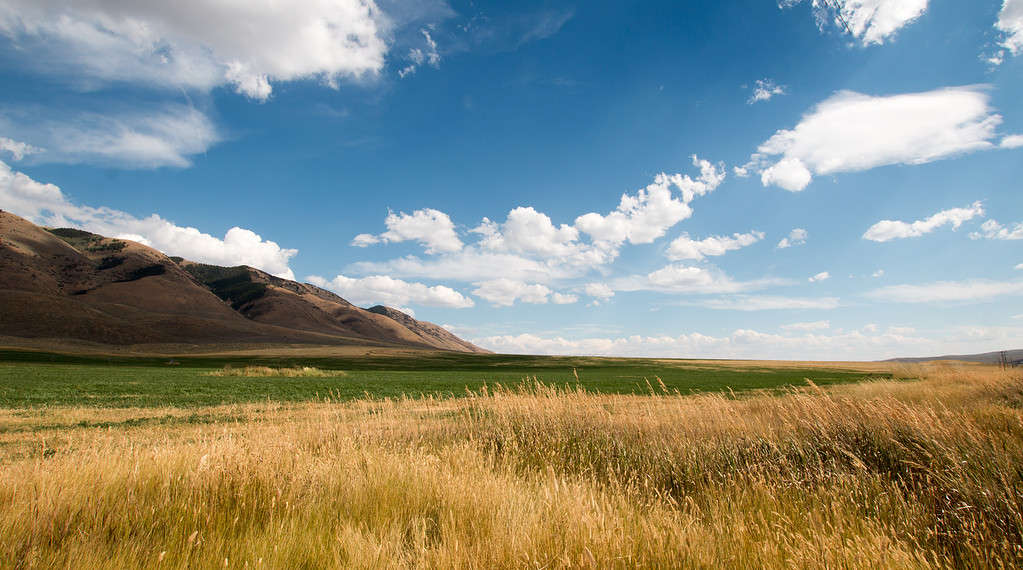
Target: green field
[[33, 379]]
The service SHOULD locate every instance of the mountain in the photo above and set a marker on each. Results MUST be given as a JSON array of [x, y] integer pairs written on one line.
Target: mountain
[[1014, 357], [71, 284]]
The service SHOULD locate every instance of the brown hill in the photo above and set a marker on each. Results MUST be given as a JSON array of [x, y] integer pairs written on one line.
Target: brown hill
[[71, 284], [432, 333]]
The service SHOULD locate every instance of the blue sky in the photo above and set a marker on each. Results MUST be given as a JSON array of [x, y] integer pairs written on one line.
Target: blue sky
[[691, 179]]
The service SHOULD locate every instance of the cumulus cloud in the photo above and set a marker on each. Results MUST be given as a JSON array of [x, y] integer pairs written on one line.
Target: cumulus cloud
[[878, 273], [870, 21], [685, 247], [431, 228], [1010, 23], [18, 150], [764, 90], [822, 276], [991, 229], [599, 291], [529, 232], [851, 132], [796, 237], [504, 292], [887, 230], [168, 135], [384, 290], [45, 204], [564, 298], [807, 326], [529, 247], [200, 44], [647, 215], [947, 291], [1011, 141]]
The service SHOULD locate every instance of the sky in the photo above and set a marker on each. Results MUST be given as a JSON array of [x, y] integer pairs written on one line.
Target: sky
[[792, 179]]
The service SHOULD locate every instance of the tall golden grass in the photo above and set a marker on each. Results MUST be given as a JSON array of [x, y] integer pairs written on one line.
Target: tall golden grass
[[885, 474]]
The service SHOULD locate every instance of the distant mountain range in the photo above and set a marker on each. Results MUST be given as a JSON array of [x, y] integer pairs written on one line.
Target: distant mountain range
[[71, 284], [1012, 356]]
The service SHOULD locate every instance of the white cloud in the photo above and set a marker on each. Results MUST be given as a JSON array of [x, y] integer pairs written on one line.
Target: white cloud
[[684, 247], [878, 273], [529, 232], [431, 228], [45, 204], [679, 278], [947, 291], [564, 298], [418, 56], [796, 237], [741, 171], [200, 43], [850, 132], [648, 214], [504, 292], [384, 290], [1020, 266], [529, 247], [870, 21], [887, 230], [991, 229], [168, 135], [763, 90], [822, 276], [1010, 23], [767, 303], [470, 265], [751, 344], [18, 150], [807, 326], [1011, 141], [599, 291]]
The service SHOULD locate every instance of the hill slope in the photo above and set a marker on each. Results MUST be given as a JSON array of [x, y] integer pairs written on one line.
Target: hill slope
[[71, 284], [1013, 356]]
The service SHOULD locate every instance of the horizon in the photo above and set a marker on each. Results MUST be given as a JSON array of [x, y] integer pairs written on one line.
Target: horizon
[[754, 181]]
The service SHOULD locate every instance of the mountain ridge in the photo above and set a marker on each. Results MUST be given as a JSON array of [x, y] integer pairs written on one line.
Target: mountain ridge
[[69, 283]]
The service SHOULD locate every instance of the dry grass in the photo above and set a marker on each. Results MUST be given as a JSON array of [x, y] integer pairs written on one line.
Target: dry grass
[[882, 474], [268, 372]]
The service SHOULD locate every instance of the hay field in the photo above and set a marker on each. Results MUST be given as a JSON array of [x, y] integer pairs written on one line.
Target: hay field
[[888, 474]]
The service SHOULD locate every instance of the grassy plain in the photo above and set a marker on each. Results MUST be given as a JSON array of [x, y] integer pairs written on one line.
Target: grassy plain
[[921, 468], [30, 379]]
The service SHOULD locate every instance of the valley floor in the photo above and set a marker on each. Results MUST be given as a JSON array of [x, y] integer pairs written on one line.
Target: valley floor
[[918, 470]]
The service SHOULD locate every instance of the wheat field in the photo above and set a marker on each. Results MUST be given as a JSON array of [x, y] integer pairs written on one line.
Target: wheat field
[[925, 470]]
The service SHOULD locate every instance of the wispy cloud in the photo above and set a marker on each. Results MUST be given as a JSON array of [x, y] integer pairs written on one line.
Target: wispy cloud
[[166, 135], [887, 230], [764, 90], [948, 291], [796, 237]]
